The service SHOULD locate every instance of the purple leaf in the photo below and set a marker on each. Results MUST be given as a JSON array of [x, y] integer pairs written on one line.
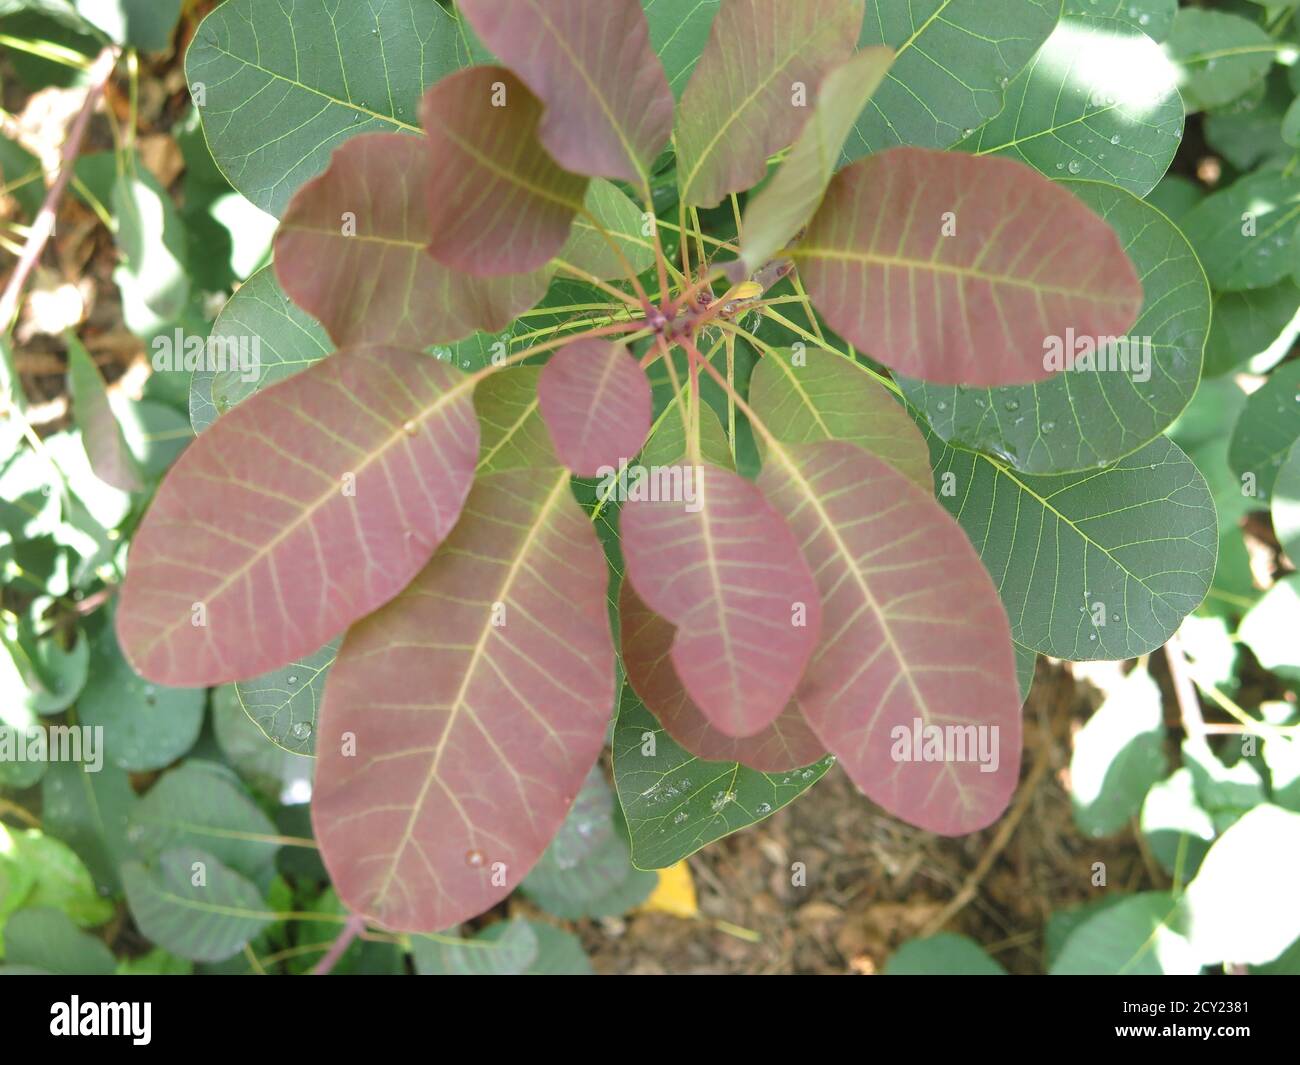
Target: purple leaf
[[754, 87], [787, 743], [597, 404], [352, 252], [460, 721], [914, 637], [727, 573], [498, 204], [304, 508], [609, 110], [960, 269]]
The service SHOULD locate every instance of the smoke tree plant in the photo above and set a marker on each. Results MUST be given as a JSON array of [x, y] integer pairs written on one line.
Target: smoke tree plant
[[742, 371]]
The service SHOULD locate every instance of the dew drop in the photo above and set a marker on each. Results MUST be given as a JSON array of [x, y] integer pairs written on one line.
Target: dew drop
[[293, 680], [1012, 404], [301, 730], [474, 859], [1048, 426], [409, 428], [941, 406], [1074, 166], [1093, 636], [1115, 139], [1114, 617], [681, 816], [763, 808]]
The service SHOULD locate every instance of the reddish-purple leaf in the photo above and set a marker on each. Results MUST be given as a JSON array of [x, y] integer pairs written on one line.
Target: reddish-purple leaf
[[647, 640], [101, 433], [960, 269], [609, 110], [460, 721], [352, 252], [299, 511], [498, 204], [914, 637], [724, 569], [754, 88], [597, 404]]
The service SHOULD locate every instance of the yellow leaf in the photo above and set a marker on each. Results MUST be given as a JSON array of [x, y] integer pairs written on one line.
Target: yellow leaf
[[747, 290], [675, 893]]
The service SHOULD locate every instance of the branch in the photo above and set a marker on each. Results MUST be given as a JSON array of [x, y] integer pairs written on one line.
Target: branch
[[43, 227]]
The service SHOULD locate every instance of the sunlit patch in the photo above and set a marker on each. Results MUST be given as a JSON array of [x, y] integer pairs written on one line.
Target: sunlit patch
[[1113, 69]]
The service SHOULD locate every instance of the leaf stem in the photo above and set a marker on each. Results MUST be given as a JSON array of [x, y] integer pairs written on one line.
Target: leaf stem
[[352, 928]]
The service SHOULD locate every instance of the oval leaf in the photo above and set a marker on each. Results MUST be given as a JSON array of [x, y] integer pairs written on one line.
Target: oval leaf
[[828, 397], [916, 644], [597, 404], [1113, 399], [352, 252], [724, 569], [1098, 565], [478, 702], [498, 204], [959, 269], [751, 90], [647, 639], [609, 110], [786, 203], [365, 456]]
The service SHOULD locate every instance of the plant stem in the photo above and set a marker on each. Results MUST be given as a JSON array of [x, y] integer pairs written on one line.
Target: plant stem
[[43, 227], [353, 927]]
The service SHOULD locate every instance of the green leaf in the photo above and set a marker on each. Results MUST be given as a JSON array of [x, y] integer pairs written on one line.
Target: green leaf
[[151, 238], [1268, 629], [1224, 791], [1118, 756], [1152, 17], [157, 962], [1177, 829], [1221, 55], [590, 250], [1244, 234], [89, 812], [1175, 196], [1136, 937], [1241, 905], [511, 951], [260, 337], [512, 433], [679, 29], [143, 24], [279, 95], [1247, 323], [1251, 130], [270, 770], [1286, 504], [674, 803], [1079, 110], [955, 60], [47, 940], [587, 868], [146, 726], [1085, 417], [285, 703], [101, 433], [1097, 565], [21, 176], [1266, 431], [945, 954], [59, 879], [193, 905], [203, 805], [743, 102]]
